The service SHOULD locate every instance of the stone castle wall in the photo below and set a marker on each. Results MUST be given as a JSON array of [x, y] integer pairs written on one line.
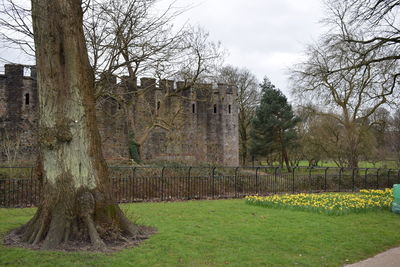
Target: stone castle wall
[[198, 124], [18, 112]]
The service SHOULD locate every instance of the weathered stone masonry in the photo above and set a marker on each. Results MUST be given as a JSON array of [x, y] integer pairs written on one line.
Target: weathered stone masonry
[[18, 109], [202, 121]]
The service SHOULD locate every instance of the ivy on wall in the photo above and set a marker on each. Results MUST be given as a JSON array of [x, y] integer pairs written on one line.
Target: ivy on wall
[[134, 150]]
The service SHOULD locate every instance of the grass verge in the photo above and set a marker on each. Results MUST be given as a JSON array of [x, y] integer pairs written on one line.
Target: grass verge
[[226, 232], [385, 164]]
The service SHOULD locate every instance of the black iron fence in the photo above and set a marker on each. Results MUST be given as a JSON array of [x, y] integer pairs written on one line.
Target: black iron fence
[[19, 188]]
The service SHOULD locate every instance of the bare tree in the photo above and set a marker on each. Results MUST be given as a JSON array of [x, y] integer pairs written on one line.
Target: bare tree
[[394, 136], [127, 37], [371, 24], [308, 146], [322, 137], [379, 128], [16, 26], [77, 202], [332, 77], [10, 145], [354, 69], [248, 99]]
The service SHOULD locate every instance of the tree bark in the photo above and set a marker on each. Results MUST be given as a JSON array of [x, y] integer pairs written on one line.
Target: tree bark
[[284, 155], [77, 201], [286, 158]]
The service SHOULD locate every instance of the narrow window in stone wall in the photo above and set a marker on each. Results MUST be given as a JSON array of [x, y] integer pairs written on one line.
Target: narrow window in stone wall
[[158, 105], [27, 99], [215, 108], [229, 109], [193, 108]]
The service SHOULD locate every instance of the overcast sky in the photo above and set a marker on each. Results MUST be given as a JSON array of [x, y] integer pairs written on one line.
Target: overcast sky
[[265, 36]]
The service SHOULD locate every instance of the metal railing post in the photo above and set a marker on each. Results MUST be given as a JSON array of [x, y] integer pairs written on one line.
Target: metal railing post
[[293, 171], [365, 178], [213, 182], [189, 183], [2, 193], [31, 191], [235, 181], [133, 187], [162, 183], [275, 179], [340, 176], [398, 176], [257, 186], [118, 182], [377, 178], [388, 178], [352, 180], [325, 182], [309, 179]]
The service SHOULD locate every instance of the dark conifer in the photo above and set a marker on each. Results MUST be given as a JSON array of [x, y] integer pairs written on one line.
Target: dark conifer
[[274, 124]]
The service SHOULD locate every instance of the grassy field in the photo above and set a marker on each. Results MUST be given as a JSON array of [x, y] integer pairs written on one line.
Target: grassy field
[[227, 232], [387, 164]]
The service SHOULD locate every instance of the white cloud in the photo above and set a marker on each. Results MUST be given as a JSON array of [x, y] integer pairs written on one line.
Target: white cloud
[[265, 36]]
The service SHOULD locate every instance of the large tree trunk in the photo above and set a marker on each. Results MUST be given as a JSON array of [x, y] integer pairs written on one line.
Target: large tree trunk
[[352, 144], [286, 158], [77, 201]]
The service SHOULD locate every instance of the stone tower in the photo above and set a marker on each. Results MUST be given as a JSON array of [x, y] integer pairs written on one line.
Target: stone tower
[[18, 109], [205, 129]]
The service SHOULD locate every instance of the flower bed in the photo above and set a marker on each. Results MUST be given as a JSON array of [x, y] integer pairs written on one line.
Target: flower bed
[[329, 203]]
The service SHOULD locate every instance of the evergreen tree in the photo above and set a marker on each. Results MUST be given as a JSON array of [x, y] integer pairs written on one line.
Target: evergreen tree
[[274, 124]]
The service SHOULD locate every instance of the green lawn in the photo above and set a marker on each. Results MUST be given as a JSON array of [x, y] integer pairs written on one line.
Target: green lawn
[[227, 232], [387, 164]]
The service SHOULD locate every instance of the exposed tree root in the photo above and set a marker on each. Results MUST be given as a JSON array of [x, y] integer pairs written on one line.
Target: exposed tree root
[[89, 221]]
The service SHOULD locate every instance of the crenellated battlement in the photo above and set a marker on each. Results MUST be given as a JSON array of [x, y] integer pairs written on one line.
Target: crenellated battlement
[[18, 71], [165, 84]]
